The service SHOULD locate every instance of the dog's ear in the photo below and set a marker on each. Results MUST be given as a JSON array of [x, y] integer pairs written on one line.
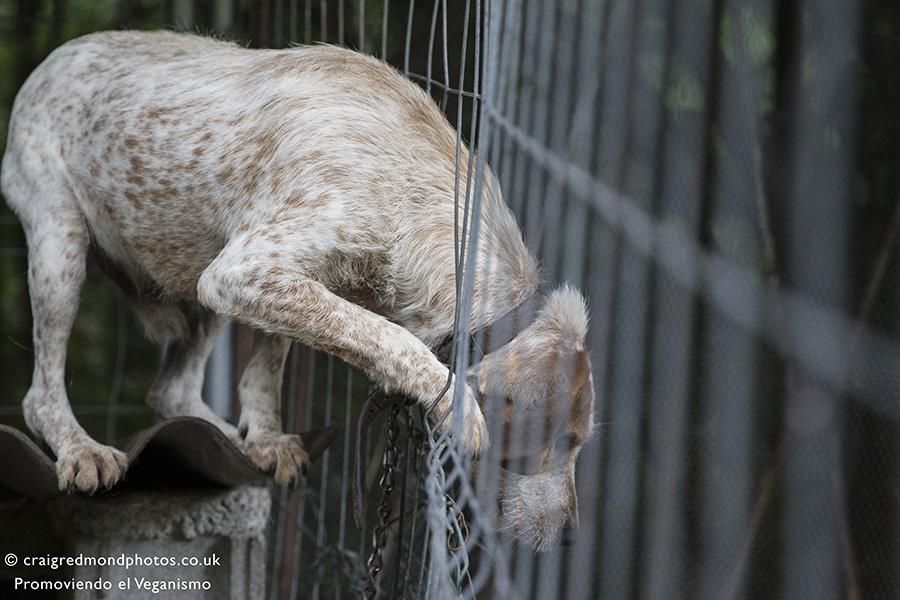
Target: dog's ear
[[543, 357], [565, 315]]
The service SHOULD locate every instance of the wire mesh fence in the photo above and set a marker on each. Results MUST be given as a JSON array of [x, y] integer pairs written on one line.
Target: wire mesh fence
[[720, 179]]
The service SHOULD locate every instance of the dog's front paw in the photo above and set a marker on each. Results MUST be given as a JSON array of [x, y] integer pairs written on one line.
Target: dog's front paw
[[473, 437], [87, 466], [280, 454]]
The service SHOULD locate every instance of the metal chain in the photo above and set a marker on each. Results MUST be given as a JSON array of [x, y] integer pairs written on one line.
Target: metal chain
[[380, 532]]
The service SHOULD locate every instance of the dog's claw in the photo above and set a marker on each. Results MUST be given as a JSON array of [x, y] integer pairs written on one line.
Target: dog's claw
[[473, 437], [90, 466], [281, 455]]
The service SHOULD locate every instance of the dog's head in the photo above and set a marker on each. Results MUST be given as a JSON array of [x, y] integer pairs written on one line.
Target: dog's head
[[537, 393]]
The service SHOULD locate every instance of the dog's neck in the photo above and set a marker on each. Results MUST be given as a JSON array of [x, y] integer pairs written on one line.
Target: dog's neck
[[495, 333]]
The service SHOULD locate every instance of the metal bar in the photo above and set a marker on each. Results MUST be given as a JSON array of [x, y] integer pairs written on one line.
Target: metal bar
[[619, 508], [281, 498], [300, 524], [597, 273], [818, 266], [345, 467], [687, 155], [323, 483], [729, 355], [183, 12], [384, 30], [118, 375]]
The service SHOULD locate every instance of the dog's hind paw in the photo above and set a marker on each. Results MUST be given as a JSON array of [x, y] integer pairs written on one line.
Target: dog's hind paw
[[88, 466], [280, 454]]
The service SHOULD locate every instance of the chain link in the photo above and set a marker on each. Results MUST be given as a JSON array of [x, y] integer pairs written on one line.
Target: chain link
[[380, 532], [457, 527]]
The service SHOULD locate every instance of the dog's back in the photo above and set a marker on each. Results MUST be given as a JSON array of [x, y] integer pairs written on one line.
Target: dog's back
[[173, 144]]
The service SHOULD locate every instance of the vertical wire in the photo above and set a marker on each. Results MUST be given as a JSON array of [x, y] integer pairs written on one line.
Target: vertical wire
[[505, 163], [401, 513], [438, 556], [118, 377], [363, 539], [293, 21], [536, 202], [384, 30], [341, 29], [362, 25], [413, 528], [345, 468], [323, 21], [431, 36], [302, 490], [184, 14], [289, 394], [464, 308], [464, 316], [280, 508], [539, 126], [408, 43], [729, 354], [506, 39], [278, 24], [480, 535], [562, 40], [218, 369], [281, 497], [559, 113], [817, 265], [586, 88], [893, 391], [460, 231], [467, 258], [587, 84], [223, 16], [524, 94], [446, 58], [602, 284], [530, 51], [620, 516], [323, 485], [686, 160], [549, 568], [509, 30], [422, 556]]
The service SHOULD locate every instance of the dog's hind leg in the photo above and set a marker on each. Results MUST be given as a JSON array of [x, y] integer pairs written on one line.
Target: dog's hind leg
[[177, 391], [260, 394], [57, 249]]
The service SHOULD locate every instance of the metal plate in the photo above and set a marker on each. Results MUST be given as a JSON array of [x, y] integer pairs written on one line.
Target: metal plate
[[180, 452]]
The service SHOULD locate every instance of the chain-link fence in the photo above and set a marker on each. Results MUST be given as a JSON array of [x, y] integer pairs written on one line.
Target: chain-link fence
[[719, 178]]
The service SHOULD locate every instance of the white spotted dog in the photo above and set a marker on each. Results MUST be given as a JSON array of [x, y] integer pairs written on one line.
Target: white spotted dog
[[307, 193]]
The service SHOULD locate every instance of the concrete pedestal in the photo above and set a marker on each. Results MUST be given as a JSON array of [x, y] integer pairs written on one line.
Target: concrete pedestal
[[141, 544]]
